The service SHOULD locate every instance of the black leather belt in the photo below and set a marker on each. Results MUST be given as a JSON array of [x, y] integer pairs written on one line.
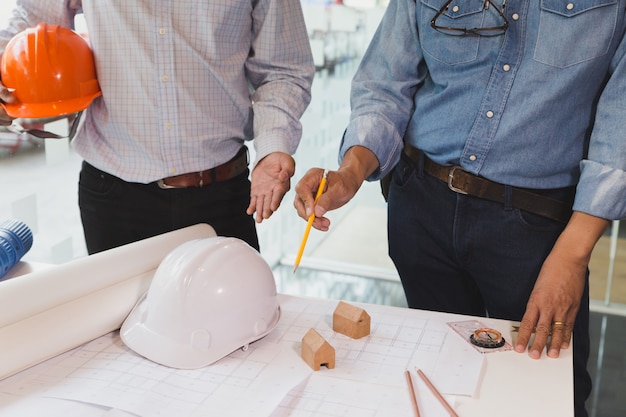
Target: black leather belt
[[228, 170], [463, 182]]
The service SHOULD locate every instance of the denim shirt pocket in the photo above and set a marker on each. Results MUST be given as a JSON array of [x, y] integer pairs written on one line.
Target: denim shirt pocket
[[450, 49], [574, 31]]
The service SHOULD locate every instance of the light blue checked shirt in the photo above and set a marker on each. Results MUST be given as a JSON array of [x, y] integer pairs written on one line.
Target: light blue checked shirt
[[184, 84], [542, 106]]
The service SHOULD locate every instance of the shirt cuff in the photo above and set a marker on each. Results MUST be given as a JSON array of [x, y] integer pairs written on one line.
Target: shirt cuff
[[379, 136], [601, 191]]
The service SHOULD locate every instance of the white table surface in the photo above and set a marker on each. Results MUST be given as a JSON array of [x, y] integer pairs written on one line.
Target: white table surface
[[512, 384]]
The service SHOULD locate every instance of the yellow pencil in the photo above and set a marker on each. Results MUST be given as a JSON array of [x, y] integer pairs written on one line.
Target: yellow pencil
[[320, 190]]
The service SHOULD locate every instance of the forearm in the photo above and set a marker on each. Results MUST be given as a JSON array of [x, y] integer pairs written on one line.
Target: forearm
[[580, 237], [358, 164]]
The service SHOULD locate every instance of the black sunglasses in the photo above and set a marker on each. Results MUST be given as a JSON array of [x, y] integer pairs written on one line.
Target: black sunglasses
[[481, 31]]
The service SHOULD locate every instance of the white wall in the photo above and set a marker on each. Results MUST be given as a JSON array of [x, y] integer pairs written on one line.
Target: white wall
[[5, 10]]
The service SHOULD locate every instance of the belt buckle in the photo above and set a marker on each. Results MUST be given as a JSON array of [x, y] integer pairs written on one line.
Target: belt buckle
[[162, 185], [451, 173]]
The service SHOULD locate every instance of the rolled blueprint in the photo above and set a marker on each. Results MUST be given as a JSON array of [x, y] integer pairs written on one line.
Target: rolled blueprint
[[47, 312]]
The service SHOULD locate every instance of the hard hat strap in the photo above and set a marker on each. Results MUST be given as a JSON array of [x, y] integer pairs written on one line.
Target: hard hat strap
[[16, 127]]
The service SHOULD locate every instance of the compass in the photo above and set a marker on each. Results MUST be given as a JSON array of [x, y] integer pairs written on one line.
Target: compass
[[486, 337]]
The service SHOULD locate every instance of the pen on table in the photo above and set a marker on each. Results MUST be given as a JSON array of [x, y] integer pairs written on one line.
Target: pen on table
[[435, 391], [409, 382], [320, 190]]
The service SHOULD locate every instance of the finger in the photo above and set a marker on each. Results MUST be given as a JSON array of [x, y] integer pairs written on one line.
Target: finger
[[561, 335], [299, 206], [542, 333], [277, 198], [321, 205], [260, 208], [256, 209], [267, 205], [306, 190], [567, 334], [263, 207], [556, 338], [313, 204], [6, 96], [252, 206], [321, 223], [5, 119], [526, 330]]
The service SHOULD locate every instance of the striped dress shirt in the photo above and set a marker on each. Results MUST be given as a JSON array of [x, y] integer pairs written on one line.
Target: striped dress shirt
[[184, 84]]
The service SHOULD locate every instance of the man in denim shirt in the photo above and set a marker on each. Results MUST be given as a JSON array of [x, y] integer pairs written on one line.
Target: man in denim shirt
[[502, 126]]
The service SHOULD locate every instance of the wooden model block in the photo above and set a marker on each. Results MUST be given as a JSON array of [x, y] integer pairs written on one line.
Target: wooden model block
[[351, 321], [316, 351]]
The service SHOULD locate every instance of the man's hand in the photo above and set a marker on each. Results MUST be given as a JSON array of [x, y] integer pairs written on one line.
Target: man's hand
[[342, 185], [552, 307], [555, 299], [270, 181], [339, 190], [5, 97]]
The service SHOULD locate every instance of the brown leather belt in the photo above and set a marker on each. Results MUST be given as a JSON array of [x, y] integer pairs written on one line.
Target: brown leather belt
[[224, 172], [463, 182]]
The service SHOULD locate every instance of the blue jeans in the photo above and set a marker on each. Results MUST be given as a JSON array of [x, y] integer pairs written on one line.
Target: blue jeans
[[461, 254], [115, 212]]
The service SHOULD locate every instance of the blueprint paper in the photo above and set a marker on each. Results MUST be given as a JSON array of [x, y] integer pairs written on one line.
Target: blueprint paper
[[270, 375], [55, 309]]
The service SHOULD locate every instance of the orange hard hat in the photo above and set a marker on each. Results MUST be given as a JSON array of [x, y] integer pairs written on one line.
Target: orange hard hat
[[50, 70]]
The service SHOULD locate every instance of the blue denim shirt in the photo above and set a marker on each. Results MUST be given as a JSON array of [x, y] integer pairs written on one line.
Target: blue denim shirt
[[542, 106]]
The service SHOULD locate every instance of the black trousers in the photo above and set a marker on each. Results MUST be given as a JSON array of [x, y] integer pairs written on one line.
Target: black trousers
[[115, 212], [461, 254]]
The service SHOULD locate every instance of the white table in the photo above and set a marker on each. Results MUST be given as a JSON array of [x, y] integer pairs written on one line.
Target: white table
[[369, 372]]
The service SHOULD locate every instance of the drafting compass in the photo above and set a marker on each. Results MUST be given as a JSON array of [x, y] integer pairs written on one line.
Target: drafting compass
[[486, 337]]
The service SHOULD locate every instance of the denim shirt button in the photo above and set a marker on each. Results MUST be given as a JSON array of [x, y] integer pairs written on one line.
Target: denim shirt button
[[489, 114], [506, 67], [515, 16], [569, 6], [472, 158]]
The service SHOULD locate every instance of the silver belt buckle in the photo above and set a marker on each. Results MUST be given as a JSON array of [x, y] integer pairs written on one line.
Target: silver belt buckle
[[162, 185], [451, 179]]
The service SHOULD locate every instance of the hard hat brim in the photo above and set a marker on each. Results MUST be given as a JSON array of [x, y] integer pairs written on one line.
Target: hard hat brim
[[52, 109], [165, 351]]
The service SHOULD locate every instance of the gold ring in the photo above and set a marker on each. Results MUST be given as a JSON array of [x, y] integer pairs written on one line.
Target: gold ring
[[558, 323]]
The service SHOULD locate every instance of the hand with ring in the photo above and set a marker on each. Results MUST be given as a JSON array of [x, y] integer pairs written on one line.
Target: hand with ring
[[551, 310], [561, 326], [555, 299]]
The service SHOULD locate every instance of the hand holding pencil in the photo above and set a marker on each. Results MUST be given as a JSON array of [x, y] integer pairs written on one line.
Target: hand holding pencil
[[307, 230]]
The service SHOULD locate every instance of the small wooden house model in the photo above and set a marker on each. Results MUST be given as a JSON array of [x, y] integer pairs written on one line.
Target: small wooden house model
[[316, 351], [351, 321]]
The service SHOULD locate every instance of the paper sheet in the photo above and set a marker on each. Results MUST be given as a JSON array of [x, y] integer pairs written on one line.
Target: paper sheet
[[105, 372], [271, 374], [50, 311]]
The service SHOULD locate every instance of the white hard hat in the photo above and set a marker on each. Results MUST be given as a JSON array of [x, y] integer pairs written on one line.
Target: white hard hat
[[208, 298]]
